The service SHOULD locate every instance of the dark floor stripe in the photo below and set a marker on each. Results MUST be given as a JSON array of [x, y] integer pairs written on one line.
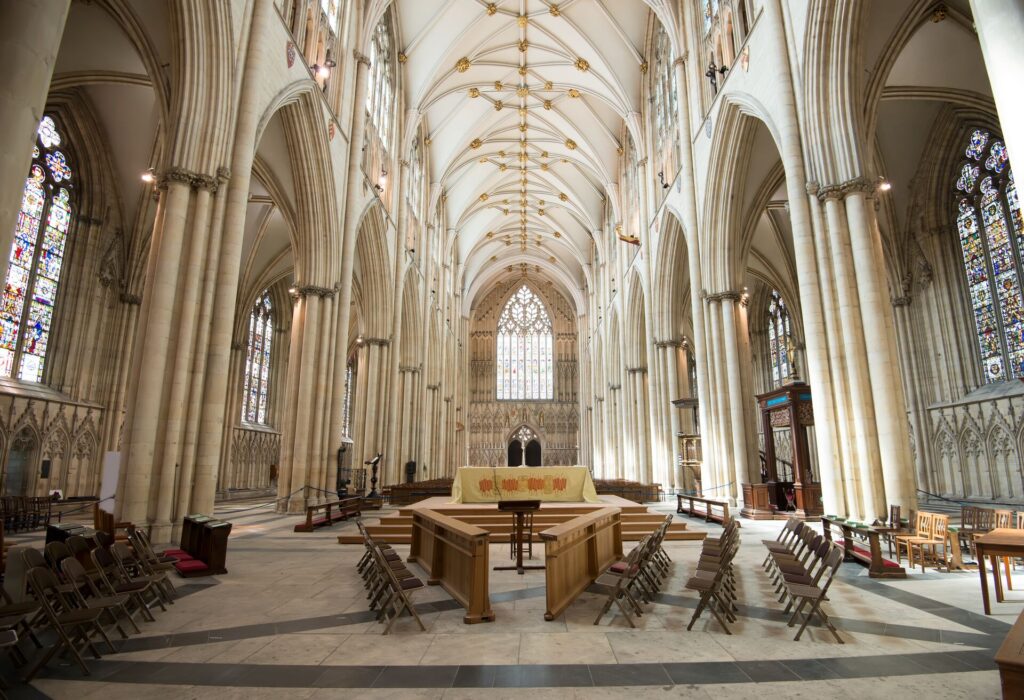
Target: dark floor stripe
[[525, 675]]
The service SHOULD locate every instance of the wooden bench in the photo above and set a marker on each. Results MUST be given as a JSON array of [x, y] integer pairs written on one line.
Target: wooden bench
[[868, 536], [1010, 659], [576, 552], [707, 513], [334, 511]]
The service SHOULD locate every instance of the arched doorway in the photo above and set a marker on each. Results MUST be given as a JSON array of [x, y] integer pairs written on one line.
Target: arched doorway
[[524, 448]]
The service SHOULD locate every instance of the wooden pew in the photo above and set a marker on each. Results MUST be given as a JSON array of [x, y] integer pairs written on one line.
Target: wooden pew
[[1010, 659], [707, 513], [334, 511], [456, 557], [576, 553], [870, 537]]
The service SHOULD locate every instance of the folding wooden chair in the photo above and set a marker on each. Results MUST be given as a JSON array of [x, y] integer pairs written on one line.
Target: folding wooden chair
[[397, 599], [814, 594], [135, 567], [116, 582], [615, 582], [87, 595], [73, 627]]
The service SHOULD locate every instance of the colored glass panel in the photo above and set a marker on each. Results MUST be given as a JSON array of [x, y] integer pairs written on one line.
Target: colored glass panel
[[976, 147], [256, 379], [36, 258], [524, 351], [968, 177], [998, 158]]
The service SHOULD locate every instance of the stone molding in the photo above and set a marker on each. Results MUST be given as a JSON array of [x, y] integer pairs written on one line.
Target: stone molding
[[731, 295], [313, 290], [197, 181], [382, 342], [131, 299], [636, 370], [614, 387], [413, 369], [361, 58]]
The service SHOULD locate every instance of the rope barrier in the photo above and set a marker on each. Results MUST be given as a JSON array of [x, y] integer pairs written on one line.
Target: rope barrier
[[967, 503]]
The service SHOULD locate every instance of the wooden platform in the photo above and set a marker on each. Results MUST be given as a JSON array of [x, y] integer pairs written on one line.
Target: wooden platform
[[637, 521]]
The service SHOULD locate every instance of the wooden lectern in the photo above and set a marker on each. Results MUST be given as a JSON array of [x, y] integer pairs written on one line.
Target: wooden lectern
[[519, 509]]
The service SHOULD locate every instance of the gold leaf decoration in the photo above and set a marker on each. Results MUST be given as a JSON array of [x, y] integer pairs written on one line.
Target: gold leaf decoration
[[547, 104], [475, 143], [484, 197], [462, 65], [474, 92], [523, 92], [557, 234], [498, 106], [523, 45], [644, 67], [491, 9], [522, 20], [582, 64], [522, 70], [544, 166], [402, 58], [549, 85], [553, 9], [564, 197], [574, 93], [570, 144], [498, 86]]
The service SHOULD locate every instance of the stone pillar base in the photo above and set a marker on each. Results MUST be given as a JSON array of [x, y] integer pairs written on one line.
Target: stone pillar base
[[162, 533]]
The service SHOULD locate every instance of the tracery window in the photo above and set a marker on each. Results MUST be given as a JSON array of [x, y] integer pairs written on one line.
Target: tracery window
[[780, 339], [256, 384], [666, 105], [525, 349], [37, 257], [991, 232], [415, 188], [331, 8], [346, 409], [380, 93]]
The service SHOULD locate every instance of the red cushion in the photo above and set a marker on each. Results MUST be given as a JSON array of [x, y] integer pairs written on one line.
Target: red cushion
[[179, 553], [619, 567], [411, 583], [191, 565]]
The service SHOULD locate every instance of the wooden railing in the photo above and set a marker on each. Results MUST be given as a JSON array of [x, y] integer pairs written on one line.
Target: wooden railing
[[454, 555], [707, 512], [576, 553]]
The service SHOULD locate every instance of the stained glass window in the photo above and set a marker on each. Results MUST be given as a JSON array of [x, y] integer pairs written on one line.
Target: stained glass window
[[525, 349], [666, 106], [991, 233], [256, 382], [331, 8], [380, 92], [780, 340], [37, 256]]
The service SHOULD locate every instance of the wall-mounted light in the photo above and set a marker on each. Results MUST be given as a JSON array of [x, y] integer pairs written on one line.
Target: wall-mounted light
[[360, 341], [382, 181], [884, 185], [661, 177], [149, 175]]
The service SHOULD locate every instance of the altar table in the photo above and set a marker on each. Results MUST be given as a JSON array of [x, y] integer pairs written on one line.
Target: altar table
[[549, 484]]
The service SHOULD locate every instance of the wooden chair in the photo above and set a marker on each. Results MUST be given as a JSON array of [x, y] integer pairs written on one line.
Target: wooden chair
[[87, 595], [922, 532], [397, 599], [936, 539], [616, 586], [716, 586], [814, 594], [73, 627], [142, 591]]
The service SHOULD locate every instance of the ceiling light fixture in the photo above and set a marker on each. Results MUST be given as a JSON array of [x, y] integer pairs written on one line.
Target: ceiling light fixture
[[149, 175]]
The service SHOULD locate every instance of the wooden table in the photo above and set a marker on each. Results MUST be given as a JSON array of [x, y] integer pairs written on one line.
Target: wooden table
[[519, 509], [1010, 659], [1001, 542], [709, 503]]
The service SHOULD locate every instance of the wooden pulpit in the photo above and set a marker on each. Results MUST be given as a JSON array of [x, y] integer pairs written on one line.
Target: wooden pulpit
[[785, 487]]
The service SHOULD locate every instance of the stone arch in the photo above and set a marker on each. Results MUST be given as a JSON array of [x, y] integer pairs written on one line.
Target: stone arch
[[22, 460]]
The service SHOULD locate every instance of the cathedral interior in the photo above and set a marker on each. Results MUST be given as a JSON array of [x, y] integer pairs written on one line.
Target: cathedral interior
[[267, 256]]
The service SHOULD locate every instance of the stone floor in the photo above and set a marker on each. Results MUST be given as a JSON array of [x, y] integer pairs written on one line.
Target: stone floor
[[290, 620]]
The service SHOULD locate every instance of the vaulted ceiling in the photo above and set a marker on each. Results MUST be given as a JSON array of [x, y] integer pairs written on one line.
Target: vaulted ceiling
[[523, 102]]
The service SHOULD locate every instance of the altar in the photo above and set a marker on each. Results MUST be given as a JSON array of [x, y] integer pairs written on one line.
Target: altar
[[547, 484]]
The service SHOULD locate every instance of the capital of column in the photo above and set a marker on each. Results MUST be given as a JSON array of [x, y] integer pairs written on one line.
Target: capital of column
[[670, 343], [858, 185], [313, 290], [614, 387], [433, 387], [636, 370], [642, 163], [413, 369], [382, 342], [730, 294], [830, 192], [813, 188], [681, 60], [130, 299], [361, 58], [901, 301], [238, 345]]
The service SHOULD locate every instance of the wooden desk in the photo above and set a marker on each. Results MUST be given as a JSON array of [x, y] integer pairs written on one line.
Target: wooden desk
[[576, 553], [876, 565], [454, 555], [1001, 542], [1010, 659]]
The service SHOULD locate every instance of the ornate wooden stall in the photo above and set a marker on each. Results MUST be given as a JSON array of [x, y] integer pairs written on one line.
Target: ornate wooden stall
[[794, 488]]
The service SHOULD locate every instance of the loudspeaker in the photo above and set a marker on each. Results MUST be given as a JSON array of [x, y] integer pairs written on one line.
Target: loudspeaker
[[44, 469]]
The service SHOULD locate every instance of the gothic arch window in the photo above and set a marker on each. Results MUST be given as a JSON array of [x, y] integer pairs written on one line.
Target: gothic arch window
[[780, 339], [346, 408], [380, 93], [331, 8], [991, 232], [37, 257], [256, 384], [525, 349], [666, 105]]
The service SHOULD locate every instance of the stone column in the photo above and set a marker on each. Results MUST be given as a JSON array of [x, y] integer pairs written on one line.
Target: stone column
[[738, 399], [723, 485], [296, 433], [1000, 26], [882, 357], [30, 34], [143, 424]]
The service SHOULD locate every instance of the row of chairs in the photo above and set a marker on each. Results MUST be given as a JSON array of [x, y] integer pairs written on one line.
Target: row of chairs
[[81, 589], [387, 580], [25, 512], [639, 575], [802, 564], [714, 578]]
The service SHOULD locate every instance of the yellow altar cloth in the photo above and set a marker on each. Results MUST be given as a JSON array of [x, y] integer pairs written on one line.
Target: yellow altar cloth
[[493, 484]]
